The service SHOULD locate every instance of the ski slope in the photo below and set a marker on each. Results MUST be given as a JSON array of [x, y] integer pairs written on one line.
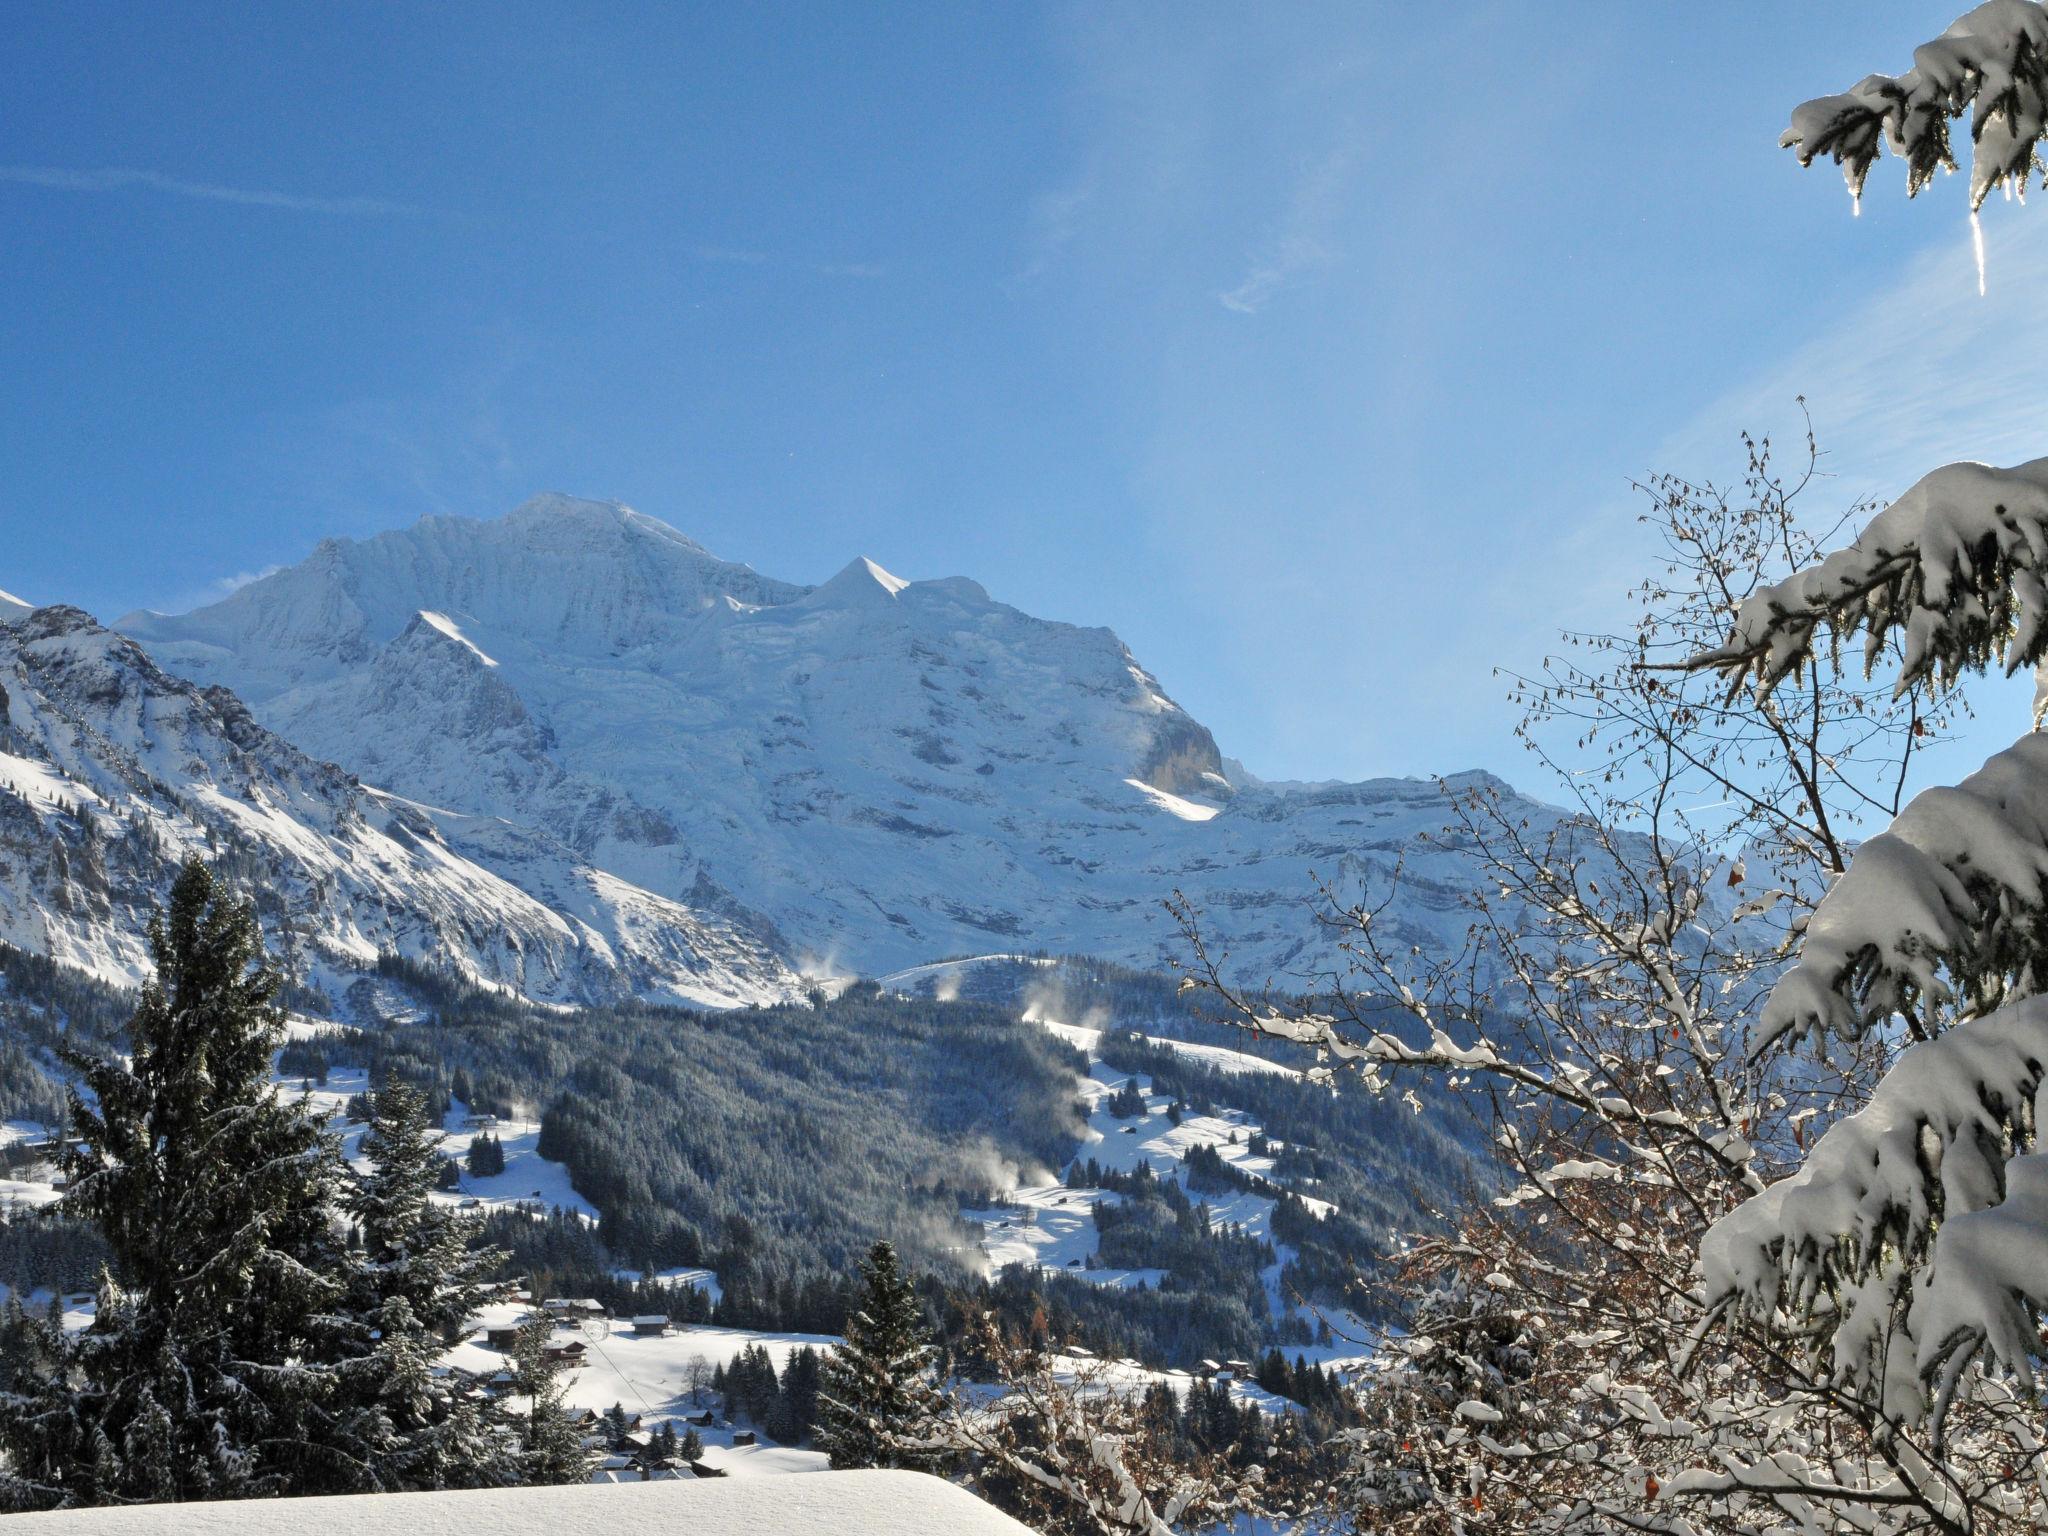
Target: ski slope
[[1051, 1227]]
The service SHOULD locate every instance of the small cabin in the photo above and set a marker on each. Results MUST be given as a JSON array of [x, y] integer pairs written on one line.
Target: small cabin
[[479, 1122], [570, 1354], [651, 1326], [1206, 1369], [502, 1336], [743, 1437]]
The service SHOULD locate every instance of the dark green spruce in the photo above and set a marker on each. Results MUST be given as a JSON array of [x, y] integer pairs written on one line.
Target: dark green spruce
[[240, 1348], [876, 1398], [207, 1372]]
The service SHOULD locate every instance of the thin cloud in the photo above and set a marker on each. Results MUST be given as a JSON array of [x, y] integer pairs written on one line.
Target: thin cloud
[[1056, 216], [117, 178], [213, 591], [1866, 376], [1302, 242], [739, 257]]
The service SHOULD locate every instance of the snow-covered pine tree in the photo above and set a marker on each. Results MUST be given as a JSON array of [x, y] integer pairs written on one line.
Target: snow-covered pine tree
[[1908, 1256], [208, 1371], [876, 1398], [486, 1156], [420, 1277], [551, 1449]]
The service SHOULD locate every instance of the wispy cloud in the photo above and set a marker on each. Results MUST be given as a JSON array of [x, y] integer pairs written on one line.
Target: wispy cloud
[[739, 257], [213, 591], [120, 178], [1055, 218], [1302, 242], [1919, 373]]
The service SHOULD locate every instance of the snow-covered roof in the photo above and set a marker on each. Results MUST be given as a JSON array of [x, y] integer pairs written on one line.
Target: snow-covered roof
[[818, 1504]]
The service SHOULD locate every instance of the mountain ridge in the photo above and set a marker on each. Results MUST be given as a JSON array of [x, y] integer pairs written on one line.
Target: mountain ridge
[[113, 771], [887, 770]]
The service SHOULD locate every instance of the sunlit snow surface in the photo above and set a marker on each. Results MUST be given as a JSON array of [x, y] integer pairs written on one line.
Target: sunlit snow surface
[[888, 770], [834, 1504], [131, 770], [1051, 1226]]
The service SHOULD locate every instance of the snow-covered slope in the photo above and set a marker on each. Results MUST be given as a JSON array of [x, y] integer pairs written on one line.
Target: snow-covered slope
[[112, 772], [891, 771]]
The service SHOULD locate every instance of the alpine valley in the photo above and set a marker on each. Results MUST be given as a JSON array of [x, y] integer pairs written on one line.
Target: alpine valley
[[763, 919]]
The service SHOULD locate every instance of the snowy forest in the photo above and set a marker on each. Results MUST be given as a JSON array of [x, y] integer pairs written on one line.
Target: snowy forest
[[1651, 1149]]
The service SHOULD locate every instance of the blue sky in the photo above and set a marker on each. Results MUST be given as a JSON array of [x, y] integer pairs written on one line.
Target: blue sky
[[1310, 347]]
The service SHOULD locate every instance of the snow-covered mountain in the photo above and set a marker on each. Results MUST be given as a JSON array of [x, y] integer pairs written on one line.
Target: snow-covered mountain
[[891, 771], [112, 771]]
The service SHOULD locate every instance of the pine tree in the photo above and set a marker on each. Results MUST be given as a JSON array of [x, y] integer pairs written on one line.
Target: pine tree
[[486, 1156], [796, 1410], [876, 1398], [209, 1369], [616, 1427], [551, 1449], [666, 1446], [418, 1280]]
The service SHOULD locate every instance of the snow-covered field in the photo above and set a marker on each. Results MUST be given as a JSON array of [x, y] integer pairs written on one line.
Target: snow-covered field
[[660, 1379], [31, 1186]]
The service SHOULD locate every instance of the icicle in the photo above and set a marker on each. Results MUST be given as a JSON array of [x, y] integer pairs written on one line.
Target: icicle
[[1855, 202], [1977, 244]]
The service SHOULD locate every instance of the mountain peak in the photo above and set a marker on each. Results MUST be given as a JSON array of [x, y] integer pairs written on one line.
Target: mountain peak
[[428, 625], [862, 580], [582, 515]]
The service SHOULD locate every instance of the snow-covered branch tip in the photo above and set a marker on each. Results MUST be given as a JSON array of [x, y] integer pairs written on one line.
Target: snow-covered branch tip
[[1923, 1182], [1992, 61], [1954, 570], [1949, 905]]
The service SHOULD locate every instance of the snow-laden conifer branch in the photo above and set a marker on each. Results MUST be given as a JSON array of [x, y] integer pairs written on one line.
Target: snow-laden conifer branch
[[1946, 907], [1954, 570], [1994, 60], [1905, 1234]]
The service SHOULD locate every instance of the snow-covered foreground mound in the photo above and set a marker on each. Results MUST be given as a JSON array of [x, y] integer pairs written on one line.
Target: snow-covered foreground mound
[[827, 1504]]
